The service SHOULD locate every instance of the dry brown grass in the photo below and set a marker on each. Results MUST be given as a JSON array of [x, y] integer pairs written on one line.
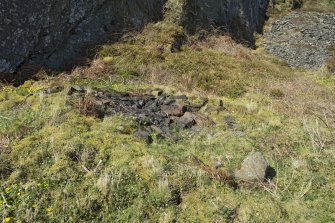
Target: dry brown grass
[[86, 106], [331, 64], [98, 69], [303, 96], [4, 142], [215, 174], [228, 46]]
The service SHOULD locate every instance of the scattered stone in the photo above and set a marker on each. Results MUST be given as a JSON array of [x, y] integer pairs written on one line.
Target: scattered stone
[[217, 164], [52, 90], [75, 89], [203, 120], [253, 168], [169, 101], [230, 122], [156, 129], [186, 121], [302, 39], [174, 110], [156, 114], [239, 133], [144, 135], [197, 105]]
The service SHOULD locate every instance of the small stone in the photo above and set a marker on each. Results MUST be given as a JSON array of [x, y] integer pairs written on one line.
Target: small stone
[[144, 135], [174, 110], [217, 164], [253, 168], [186, 121], [239, 133], [52, 90], [169, 101], [156, 129], [75, 88], [230, 122], [120, 129]]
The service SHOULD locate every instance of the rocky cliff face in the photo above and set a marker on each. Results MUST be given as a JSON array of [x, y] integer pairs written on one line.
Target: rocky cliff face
[[239, 18], [53, 33]]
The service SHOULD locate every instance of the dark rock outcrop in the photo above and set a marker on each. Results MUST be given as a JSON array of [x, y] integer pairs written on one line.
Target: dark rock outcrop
[[302, 39], [239, 18], [54, 33]]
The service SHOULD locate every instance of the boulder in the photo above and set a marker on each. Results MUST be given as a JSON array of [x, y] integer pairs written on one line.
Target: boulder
[[253, 168], [186, 121]]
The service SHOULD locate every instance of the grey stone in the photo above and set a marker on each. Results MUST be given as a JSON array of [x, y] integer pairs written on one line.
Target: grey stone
[[75, 89], [217, 164], [174, 109], [52, 90], [186, 121], [230, 122], [253, 168]]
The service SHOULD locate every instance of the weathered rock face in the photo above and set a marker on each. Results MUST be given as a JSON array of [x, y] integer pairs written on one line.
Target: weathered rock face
[[303, 39], [53, 32], [240, 18]]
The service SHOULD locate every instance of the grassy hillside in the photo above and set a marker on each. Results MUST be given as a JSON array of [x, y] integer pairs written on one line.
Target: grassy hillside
[[58, 164]]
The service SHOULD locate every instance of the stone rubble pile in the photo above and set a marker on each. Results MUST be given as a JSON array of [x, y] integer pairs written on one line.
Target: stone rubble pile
[[302, 39], [156, 112]]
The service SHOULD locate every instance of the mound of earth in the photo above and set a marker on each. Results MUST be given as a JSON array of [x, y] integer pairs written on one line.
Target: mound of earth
[[302, 39]]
